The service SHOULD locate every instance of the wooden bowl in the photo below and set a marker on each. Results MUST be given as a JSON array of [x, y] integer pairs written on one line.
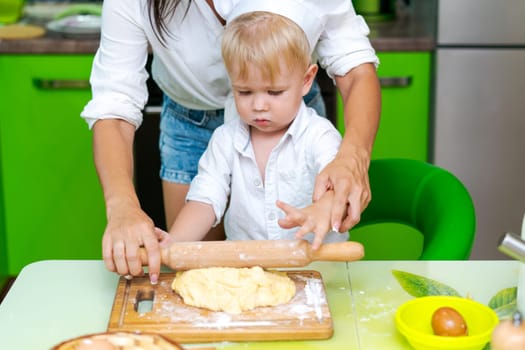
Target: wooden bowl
[[119, 341]]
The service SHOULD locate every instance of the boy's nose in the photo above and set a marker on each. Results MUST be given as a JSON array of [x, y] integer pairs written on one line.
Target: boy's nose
[[259, 103]]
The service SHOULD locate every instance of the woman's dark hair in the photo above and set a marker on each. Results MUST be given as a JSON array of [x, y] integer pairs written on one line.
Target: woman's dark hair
[[159, 13]]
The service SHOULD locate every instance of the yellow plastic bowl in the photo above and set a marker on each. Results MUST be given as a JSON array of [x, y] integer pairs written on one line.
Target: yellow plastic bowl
[[414, 321]]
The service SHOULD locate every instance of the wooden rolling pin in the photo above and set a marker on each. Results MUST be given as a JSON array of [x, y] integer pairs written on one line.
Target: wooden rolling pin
[[267, 253]]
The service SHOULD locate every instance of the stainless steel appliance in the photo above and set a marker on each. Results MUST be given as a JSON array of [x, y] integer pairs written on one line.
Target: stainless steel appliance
[[479, 119]]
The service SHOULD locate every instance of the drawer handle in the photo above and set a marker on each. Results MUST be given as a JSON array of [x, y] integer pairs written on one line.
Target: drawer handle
[[58, 84], [395, 81]]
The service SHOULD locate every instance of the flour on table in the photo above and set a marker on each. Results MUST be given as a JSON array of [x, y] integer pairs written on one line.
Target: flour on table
[[233, 290]]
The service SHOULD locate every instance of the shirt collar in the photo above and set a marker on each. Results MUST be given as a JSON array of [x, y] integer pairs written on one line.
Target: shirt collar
[[299, 124], [295, 130]]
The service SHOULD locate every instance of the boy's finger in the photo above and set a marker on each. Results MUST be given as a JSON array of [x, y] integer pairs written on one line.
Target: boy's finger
[[286, 223], [164, 238], [305, 229], [287, 208], [318, 240]]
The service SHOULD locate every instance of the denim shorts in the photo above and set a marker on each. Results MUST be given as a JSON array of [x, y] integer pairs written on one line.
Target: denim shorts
[[184, 135]]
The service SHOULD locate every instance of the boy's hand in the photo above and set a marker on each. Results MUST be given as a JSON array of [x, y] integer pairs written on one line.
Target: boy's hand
[[165, 238], [313, 218]]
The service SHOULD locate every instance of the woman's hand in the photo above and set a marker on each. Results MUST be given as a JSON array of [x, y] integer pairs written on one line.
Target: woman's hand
[[128, 226], [347, 176], [313, 218], [129, 229]]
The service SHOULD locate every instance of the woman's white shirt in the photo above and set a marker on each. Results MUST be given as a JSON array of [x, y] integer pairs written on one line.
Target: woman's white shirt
[[189, 67]]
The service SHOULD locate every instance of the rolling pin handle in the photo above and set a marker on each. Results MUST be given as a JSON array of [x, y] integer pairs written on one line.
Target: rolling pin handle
[[340, 251]]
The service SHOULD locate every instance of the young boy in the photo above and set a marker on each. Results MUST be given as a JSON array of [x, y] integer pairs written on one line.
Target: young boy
[[260, 167]]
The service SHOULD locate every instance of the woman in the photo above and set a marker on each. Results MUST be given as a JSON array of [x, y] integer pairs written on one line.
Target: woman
[[184, 37]]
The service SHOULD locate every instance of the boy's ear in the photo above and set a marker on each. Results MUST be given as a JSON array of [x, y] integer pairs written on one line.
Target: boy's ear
[[309, 77]]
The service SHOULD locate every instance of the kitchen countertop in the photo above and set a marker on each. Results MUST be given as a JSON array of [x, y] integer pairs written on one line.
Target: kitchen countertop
[[402, 34], [410, 31], [52, 301]]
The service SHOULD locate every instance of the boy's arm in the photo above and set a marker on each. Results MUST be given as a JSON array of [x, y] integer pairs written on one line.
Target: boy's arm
[[313, 218], [210, 185], [193, 222]]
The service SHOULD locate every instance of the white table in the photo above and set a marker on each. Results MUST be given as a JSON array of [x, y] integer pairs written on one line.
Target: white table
[[52, 301]]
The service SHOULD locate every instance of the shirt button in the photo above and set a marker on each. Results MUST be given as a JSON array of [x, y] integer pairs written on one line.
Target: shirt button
[[257, 182], [271, 216]]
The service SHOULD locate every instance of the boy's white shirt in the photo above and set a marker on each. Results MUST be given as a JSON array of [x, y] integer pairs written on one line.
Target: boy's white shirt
[[228, 170]]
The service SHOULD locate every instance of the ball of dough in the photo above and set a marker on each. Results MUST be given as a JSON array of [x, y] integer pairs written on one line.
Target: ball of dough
[[233, 289]]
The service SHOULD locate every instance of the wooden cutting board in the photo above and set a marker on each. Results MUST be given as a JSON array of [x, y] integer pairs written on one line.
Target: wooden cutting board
[[306, 316]]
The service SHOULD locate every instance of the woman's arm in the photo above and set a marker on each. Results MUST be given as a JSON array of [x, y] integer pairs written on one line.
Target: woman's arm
[[118, 81], [128, 226], [347, 174]]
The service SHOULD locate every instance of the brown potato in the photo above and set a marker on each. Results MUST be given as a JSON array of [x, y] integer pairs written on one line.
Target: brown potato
[[447, 321]]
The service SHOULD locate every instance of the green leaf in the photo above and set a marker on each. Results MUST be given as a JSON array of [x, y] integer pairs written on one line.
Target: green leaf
[[503, 297], [506, 311], [420, 286], [504, 302]]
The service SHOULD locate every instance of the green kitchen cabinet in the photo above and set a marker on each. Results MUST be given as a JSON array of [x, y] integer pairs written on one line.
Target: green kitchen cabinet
[[403, 133], [405, 93], [52, 201], [3, 248]]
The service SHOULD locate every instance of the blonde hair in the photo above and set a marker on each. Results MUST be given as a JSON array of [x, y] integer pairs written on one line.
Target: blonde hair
[[264, 39]]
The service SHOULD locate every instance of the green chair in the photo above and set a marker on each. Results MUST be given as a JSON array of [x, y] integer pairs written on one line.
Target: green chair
[[418, 211]]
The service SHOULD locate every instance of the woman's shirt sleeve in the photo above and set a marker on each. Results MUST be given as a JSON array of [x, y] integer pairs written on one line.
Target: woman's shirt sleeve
[[339, 35], [344, 43], [118, 76]]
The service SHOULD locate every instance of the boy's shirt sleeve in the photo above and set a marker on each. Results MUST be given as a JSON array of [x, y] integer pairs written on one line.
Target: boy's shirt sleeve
[[325, 144]]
